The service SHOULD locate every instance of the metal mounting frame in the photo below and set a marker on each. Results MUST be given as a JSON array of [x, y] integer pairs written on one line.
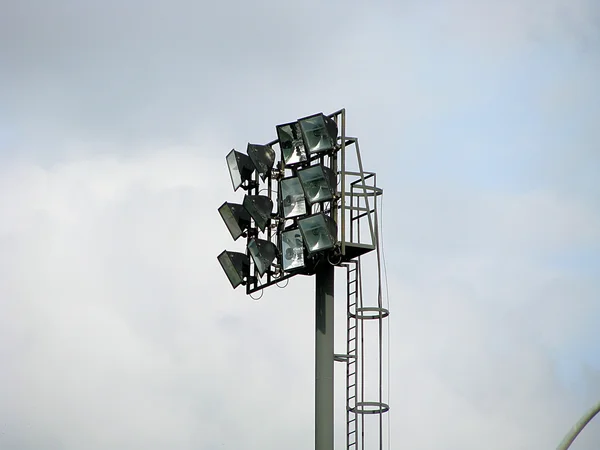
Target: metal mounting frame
[[355, 201]]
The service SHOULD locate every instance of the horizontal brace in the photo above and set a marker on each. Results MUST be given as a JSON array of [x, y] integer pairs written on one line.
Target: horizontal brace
[[358, 208], [366, 213], [359, 174], [260, 287]]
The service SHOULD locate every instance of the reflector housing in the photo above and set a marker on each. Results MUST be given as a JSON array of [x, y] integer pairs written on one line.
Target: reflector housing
[[240, 168], [319, 133], [319, 232], [236, 266], [291, 196], [263, 254], [260, 208], [263, 158], [291, 143], [318, 182], [292, 250], [236, 218]]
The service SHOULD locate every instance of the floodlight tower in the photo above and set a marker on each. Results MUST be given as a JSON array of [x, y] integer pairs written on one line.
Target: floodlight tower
[[325, 216]]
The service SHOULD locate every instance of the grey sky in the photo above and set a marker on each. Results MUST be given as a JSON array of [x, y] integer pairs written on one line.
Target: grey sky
[[118, 328]]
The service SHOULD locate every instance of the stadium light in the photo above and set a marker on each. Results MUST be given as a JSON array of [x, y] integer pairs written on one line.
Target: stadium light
[[291, 143], [304, 174], [319, 232], [292, 198], [263, 158], [292, 250], [236, 266], [319, 133], [263, 254], [240, 168], [318, 182], [260, 208], [236, 218]]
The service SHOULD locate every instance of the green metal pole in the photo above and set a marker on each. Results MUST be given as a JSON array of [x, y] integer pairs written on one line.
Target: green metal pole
[[324, 358], [574, 432]]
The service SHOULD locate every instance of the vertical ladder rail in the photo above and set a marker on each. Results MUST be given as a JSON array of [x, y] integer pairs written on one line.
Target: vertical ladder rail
[[351, 352]]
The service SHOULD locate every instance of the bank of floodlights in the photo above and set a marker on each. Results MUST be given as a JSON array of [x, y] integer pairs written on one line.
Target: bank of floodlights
[[286, 214]]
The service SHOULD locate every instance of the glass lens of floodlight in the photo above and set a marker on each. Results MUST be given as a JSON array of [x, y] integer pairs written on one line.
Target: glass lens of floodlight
[[235, 217], [240, 168], [319, 133], [236, 266], [319, 232], [263, 158], [292, 250], [318, 182], [260, 208], [263, 254], [292, 198], [291, 143]]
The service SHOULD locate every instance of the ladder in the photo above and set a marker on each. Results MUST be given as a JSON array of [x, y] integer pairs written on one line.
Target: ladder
[[353, 292]]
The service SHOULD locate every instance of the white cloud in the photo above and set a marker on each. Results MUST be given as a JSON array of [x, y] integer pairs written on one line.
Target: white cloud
[[119, 329]]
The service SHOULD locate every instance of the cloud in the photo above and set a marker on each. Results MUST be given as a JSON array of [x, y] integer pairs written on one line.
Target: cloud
[[117, 326], [113, 319], [118, 334]]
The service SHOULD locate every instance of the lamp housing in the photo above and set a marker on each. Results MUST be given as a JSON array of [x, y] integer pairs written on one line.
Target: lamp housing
[[262, 157], [319, 232], [236, 266], [263, 254], [318, 182], [292, 250], [291, 198], [240, 167], [319, 133], [291, 143], [236, 218], [260, 208]]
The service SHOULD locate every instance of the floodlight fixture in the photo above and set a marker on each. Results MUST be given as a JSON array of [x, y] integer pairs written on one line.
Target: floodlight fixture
[[236, 218], [291, 196], [240, 167], [319, 133], [236, 266], [263, 254], [291, 143], [292, 250], [263, 158], [260, 208], [319, 232], [318, 182]]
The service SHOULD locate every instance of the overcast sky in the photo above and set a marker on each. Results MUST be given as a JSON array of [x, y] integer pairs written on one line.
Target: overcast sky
[[118, 329]]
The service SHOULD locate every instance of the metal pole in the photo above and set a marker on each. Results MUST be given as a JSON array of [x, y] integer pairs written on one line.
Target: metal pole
[[572, 434], [324, 358]]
